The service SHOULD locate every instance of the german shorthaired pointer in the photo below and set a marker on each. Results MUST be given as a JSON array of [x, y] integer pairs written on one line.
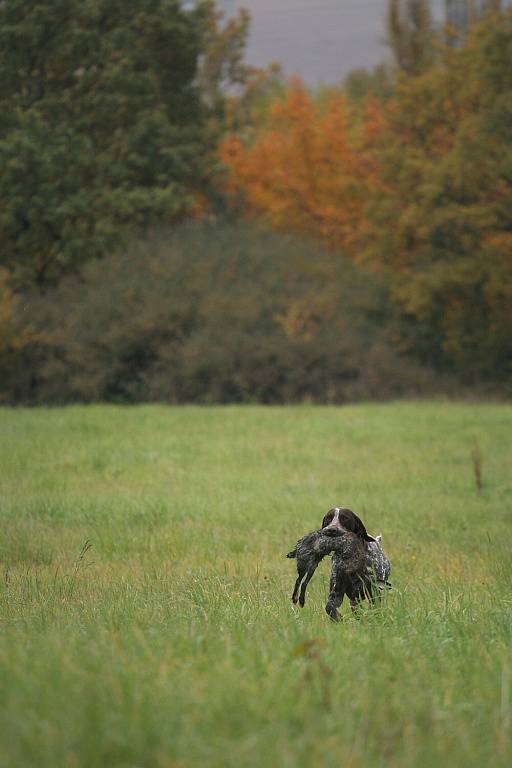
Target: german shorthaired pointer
[[360, 569]]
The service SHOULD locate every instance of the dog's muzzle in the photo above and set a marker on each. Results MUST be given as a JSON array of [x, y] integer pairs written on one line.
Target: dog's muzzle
[[334, 531]]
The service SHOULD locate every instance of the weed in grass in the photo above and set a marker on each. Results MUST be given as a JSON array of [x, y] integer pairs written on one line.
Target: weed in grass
[[478, 461]]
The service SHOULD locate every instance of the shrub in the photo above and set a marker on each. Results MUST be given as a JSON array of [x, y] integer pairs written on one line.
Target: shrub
[[218, 313]]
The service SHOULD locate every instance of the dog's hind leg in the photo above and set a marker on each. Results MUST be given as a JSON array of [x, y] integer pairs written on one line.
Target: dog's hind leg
[[359, 589], [354, 604]]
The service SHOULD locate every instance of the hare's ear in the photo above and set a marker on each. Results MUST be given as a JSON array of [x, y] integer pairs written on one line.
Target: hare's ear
[[378, 538]]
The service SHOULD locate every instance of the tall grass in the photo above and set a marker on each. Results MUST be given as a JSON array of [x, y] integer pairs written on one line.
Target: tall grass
[[145, 598]]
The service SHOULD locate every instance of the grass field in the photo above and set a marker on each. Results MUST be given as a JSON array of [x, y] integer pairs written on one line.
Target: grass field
[[172, 642]]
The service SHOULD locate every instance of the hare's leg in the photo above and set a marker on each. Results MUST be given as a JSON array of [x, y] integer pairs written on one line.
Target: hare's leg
[[301, 570], [311, 571]]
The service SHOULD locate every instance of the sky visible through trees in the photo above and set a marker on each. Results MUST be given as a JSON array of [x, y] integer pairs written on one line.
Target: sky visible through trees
[[320, 41]]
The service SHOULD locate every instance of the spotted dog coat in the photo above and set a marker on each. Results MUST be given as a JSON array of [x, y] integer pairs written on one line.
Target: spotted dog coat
[[379, 563], [359, 570]]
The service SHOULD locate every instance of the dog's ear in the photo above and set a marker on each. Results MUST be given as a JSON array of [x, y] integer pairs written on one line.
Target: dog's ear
[[359, 527], [328, 518], [378, 538]]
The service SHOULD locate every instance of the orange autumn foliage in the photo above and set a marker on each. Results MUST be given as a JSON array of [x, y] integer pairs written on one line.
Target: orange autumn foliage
[[308, 167]]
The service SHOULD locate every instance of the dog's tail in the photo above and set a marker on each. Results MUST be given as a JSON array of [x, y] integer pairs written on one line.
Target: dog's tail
[[293, 553]]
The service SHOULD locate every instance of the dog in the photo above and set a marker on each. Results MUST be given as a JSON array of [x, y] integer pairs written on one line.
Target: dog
[[359, 565]]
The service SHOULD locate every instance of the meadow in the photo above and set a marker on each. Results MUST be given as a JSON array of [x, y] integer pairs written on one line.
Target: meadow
[[145, 614]]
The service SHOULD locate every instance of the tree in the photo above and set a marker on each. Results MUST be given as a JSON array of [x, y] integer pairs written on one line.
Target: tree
[[232, 91], [410, 34], [459, 13], [377, 83], [443, 230], [307, 167], [222, 70], [101, 127]]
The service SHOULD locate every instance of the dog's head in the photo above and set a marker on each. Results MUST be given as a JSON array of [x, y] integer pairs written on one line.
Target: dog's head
[[339, 520]]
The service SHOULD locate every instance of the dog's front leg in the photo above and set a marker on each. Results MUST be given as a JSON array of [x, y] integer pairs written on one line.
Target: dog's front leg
[[335, 599]]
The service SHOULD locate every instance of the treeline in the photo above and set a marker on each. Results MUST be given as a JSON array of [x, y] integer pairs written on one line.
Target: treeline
[[176, 226]]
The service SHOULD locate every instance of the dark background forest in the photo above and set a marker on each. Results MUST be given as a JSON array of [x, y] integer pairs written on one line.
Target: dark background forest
[[177, 226]]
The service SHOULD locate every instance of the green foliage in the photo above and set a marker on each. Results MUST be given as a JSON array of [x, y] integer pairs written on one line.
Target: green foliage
[[173, 641], [217, 313], [101, 127], [222, 68], [236, 94], [411, 34], [377, 83], [461, 13]]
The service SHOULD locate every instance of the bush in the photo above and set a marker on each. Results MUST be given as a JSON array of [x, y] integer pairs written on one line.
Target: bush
[[216, 314]]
